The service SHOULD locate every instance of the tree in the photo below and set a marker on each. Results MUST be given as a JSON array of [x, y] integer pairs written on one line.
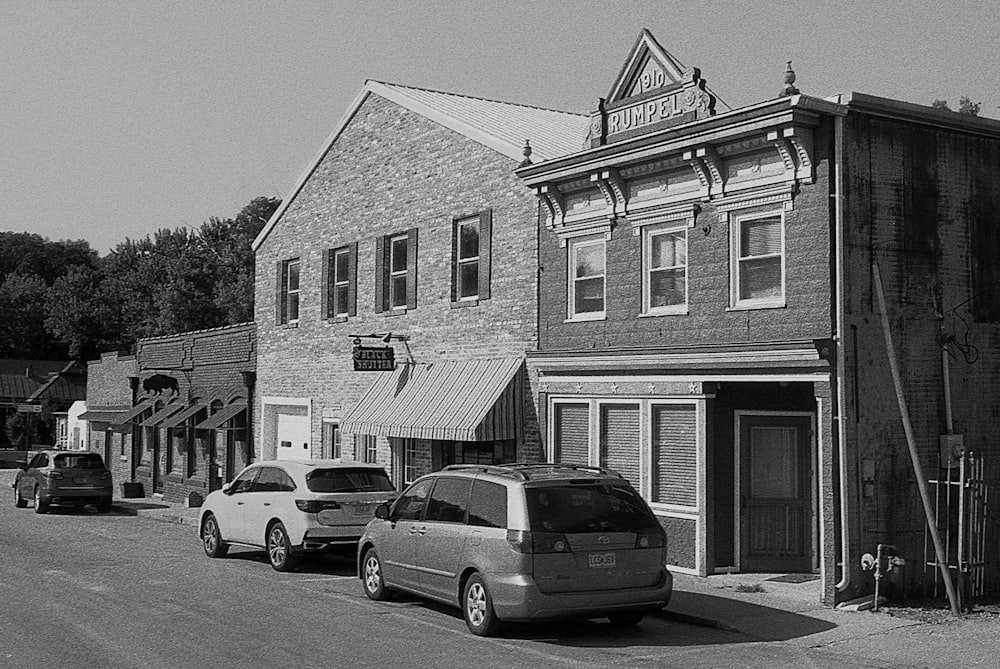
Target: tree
[[22, 319], [77, 315], [26, 253], [965, 106]]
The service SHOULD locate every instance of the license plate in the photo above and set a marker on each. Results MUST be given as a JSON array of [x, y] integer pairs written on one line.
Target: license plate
[[602, 560], [360, 509], [81, 481]]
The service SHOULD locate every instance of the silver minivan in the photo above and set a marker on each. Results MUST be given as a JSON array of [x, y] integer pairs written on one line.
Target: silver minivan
[[520, 542]]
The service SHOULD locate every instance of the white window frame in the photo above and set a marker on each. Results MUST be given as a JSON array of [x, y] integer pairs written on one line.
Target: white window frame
[[331, 427], [736, 227], [392, 274], [341, 282], [573, 245], [648, 233], [460, 261], [290, 293]]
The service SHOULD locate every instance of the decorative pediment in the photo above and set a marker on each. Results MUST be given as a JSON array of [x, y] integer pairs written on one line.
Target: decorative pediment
[[648, 67]]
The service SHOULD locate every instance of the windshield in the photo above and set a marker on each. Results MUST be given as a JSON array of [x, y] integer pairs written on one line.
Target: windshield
[[587, 508], [348, 480], [79, 461]]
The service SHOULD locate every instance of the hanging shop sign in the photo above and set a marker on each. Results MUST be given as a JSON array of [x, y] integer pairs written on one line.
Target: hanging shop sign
[[29, 408], [374, 358]]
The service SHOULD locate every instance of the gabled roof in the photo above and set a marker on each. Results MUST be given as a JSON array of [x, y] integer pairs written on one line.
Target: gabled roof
[[501, 126]]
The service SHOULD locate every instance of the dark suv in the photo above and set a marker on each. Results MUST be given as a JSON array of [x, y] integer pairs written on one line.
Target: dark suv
[[63, 477], [520, 542]]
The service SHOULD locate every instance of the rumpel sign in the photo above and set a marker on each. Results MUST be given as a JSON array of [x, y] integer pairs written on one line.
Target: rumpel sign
[[374, 358]]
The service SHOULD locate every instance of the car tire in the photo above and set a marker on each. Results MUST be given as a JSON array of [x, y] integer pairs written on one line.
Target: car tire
[[477, 608], [40, 506], [371, 576], [19, 501], [626, 619], [279, 548], [104, 506], [211, 538]]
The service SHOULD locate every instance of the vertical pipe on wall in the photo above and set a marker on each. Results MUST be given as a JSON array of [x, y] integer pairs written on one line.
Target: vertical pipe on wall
[[841, 441]]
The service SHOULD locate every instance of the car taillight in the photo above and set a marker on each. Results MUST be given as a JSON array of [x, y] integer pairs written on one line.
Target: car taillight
[[651, 538], [315, 505], [537, 542], [105, 475], [53, 475]]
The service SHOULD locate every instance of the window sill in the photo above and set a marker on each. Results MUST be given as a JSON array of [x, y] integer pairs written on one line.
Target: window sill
[[462, 304], [680, 311], [288, 326], [337, 319], [389, 313], [585, 318], [757, 304]]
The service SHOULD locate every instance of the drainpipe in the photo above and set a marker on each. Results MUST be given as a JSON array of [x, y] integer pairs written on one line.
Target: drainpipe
[[839, 242]]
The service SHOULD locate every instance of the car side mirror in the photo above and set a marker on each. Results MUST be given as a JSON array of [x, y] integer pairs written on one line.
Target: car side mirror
[[382, 511], [227, 489], [22, 464]]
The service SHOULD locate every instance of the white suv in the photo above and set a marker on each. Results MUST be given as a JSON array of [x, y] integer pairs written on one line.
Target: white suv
[[289, 508]]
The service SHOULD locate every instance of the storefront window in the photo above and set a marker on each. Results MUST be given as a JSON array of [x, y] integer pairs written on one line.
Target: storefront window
[[477, 452]]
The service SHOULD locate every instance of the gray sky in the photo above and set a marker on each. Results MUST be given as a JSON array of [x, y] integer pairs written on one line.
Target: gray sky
[[119, 118]]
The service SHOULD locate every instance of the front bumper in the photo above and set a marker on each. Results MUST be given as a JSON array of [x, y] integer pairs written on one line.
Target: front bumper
[[516, 597]]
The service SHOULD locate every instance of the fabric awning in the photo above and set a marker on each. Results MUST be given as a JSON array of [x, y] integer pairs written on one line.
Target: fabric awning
[[124, 423], [454, 400], [104, 414], [222, 416], [162, 415], [183, 415]]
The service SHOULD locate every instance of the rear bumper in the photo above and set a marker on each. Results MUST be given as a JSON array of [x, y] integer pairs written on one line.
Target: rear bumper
[[75, 496], [516, 597], [323, 536]]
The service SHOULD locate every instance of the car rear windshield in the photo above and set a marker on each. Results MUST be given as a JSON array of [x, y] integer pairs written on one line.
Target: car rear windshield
[[575, 509], [79, 461], [348, 480]]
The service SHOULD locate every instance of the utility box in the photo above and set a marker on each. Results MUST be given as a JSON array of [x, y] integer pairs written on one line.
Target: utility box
[[132, 490]]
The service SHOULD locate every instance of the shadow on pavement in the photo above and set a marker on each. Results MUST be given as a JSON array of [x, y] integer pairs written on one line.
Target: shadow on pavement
[[333, 563], [133, 508]]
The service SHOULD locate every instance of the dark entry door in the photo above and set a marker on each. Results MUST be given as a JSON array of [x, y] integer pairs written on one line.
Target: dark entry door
[[776, 494]]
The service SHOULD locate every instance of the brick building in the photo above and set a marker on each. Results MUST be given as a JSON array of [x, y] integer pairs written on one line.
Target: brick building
[[710, 321], [409, 227], [176, 416]]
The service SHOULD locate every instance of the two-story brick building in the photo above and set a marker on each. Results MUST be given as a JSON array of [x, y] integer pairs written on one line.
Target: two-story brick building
[[410, 232], [710, 322]]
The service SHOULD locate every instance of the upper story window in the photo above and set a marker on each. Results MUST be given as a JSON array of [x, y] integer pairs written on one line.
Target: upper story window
[[340, 292], [288, 291], [665, 271], [471, 257], [758, 260], [586, 278], [396, 272]]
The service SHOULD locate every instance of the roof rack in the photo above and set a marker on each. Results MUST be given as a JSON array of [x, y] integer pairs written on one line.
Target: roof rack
[[524, 469]]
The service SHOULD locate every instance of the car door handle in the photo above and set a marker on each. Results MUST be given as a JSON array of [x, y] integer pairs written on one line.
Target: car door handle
[[239, 503], [267, 504], [421, 530]]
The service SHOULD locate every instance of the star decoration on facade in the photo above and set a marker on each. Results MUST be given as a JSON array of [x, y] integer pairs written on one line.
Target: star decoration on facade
[[543, 388], [692, 387], [578, 387], [651, 388], [614, 388]]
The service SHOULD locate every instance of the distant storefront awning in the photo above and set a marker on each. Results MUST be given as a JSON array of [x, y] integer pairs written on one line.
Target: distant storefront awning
[[454, 400], [218, 420], [182, 415], [112, 414], [161, 415], [125, 421]]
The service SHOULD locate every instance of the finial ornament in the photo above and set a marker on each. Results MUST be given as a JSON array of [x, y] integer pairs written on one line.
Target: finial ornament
[[527, 153], [789, 87]]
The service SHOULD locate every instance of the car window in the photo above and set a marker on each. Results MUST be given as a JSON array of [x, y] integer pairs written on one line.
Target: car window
[[272, 479], [488, 505], [36, 461], [590, 508], [410, 505], [78, 461], [449, 500], [343, 479], [244, 481]]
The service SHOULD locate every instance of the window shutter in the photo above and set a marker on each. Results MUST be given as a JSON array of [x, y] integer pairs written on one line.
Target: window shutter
[[572, 433], [327, 287], [675, 455], [620, 440], [485, 250], [411, 268], [352, 280], [380, 269], [454, 259], [280, 294]]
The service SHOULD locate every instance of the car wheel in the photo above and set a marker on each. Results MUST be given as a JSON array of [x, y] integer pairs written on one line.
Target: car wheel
[[371, 574], [40, 506], [477, 608], [19, 501], [211, 538], [104, 506], [626, 619], [279, 549]]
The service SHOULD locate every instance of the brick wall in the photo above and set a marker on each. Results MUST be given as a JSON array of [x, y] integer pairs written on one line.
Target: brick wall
[[389, 171]]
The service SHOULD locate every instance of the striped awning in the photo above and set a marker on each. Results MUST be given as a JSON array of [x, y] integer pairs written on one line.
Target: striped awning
[[453, 400], [161, 415], [183, 415], [218, 419]]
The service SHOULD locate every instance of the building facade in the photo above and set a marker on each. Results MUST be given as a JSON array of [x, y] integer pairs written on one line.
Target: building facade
[[409, 236], [109, 399], [709, 324]]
